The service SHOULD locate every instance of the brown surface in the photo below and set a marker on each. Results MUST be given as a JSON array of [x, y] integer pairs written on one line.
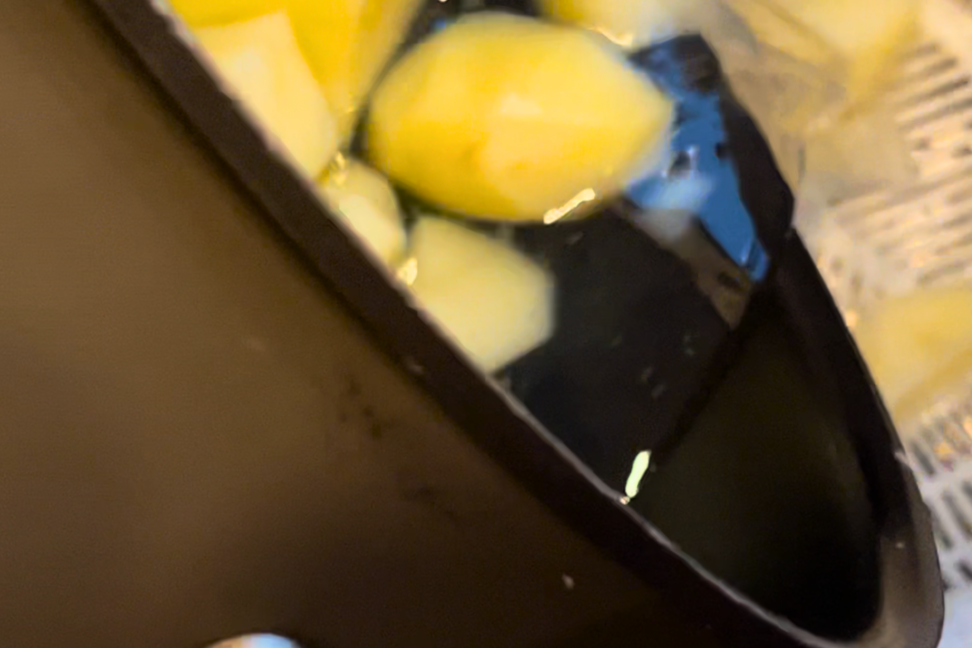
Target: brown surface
[[198, 441]]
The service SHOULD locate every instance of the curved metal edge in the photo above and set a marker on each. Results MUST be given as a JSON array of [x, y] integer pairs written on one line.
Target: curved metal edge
[[912, 606]]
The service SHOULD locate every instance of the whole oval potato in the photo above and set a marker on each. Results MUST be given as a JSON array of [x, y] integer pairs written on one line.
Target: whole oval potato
[[508, 118]]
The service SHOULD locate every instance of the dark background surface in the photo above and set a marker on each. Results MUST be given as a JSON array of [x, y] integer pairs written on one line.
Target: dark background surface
[[198, 441]]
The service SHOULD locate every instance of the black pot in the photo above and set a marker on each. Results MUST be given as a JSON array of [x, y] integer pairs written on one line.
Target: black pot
[[777, 510]]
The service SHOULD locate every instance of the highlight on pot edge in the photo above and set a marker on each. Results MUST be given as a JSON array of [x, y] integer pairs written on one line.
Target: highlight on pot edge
[[587, 197]]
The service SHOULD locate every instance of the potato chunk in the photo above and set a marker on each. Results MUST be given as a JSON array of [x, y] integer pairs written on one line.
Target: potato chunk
[[918, 344], [493, 301], [505, 117], [364, 200], [263, 67]]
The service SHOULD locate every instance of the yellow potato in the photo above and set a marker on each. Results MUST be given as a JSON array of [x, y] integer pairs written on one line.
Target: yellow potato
[[509, 118], [200, 13], [364, 200], [263, 67], [918, 344], [856, 41], [347, 44], [631, 23], [496, 303]]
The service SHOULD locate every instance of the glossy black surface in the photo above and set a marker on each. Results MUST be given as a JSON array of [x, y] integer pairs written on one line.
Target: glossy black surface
[[765, 489], [646, 322], [635, 340]]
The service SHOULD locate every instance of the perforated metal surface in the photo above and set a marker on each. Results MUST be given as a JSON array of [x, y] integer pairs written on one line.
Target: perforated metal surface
[[920, 234], [914, 236], [940, 447]]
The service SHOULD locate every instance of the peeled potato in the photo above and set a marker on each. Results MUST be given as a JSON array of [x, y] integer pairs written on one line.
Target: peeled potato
[[363, 200], [504, 117], [918, 344], [630, 23], [260, 61], [347, 44], [496, 303], [856, 40], [199, 13]]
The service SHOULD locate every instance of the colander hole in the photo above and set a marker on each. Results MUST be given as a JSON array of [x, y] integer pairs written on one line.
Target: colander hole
[[921, 51], [924, 463], [954, 244], [966, 571], [960, 196], [958, 516], [944, 539], [925, 72], [928, 278], [959, 221], [961, 152], [943, 90], [955, 436], [960, 429], [967, 490], [949, 110], [958, 434], [931, 440]]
